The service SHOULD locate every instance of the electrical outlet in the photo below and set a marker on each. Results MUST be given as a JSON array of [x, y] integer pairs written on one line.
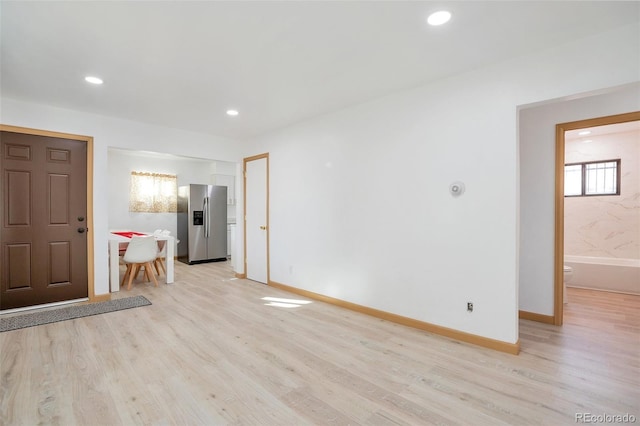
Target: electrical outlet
[[469, 306]]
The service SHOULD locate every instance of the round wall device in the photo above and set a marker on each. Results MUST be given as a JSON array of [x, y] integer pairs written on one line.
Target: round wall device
[[456, 189]]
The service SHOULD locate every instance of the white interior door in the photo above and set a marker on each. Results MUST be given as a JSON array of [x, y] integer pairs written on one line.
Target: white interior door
[[256, 219]]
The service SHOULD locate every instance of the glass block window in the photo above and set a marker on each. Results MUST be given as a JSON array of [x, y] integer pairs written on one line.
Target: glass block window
[[573, 179]]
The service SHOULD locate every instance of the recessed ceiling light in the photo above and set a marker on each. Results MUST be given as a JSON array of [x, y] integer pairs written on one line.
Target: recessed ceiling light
[[587, 141], [232, 112], [584, 133], [93, 80], [439, 18]]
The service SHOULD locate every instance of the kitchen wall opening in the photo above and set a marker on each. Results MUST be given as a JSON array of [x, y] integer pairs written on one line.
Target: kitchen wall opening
[[187, 170]]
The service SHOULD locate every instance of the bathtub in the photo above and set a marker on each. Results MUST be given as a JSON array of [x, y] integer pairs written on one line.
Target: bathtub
[[605, 273]]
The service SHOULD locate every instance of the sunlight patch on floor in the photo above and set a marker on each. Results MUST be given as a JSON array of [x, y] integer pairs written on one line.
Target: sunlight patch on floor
[[284, 302]]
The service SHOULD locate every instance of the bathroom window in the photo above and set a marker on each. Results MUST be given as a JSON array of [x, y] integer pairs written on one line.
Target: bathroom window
[[592, 178]]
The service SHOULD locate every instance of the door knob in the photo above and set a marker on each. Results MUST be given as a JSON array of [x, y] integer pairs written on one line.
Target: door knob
[[81, 230], [263, 227]]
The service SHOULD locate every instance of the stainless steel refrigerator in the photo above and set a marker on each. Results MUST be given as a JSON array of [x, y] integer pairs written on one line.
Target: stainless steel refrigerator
[[202, 223]]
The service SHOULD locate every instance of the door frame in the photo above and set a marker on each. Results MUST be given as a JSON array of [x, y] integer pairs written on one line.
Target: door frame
[[558, 272], [244, 222], [88, 140]]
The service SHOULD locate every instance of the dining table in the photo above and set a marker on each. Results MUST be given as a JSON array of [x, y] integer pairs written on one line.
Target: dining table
[[119, 237]]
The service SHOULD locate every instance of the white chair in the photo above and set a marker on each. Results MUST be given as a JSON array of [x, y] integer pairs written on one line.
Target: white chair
[[141, 252]]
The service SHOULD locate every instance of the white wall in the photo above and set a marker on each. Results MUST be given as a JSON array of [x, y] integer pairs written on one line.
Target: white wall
[[359, 202], [537, 174], [111, 132]]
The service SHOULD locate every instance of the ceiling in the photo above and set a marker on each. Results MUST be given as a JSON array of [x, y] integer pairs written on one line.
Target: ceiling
[[604, 130], [183, 64]]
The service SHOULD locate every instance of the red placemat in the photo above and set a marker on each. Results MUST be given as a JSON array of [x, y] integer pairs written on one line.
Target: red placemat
[[128, 234]]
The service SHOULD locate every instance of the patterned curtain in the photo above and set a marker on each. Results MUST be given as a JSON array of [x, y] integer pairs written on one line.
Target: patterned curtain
[[153, 193]]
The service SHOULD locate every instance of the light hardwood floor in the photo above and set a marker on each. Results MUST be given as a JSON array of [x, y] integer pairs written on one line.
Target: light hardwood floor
[[210, 352]]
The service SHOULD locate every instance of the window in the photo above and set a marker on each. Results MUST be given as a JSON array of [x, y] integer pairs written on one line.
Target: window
[[592, 178], [153, 193]]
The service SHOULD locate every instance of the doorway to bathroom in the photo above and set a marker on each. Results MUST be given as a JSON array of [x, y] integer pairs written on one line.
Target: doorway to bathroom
[[596, 213]]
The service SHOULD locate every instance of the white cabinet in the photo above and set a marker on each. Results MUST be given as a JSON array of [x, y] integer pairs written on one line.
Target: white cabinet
[[231, 235], [230, 182]]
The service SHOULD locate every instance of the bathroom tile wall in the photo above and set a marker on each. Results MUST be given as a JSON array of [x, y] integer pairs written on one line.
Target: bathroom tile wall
[[606, 226]]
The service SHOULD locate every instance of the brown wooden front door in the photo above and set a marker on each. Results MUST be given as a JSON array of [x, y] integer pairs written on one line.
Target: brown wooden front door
[[43, 250]]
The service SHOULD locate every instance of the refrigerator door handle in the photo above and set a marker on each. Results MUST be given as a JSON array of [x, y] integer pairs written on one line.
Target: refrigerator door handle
[[206, 217]]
